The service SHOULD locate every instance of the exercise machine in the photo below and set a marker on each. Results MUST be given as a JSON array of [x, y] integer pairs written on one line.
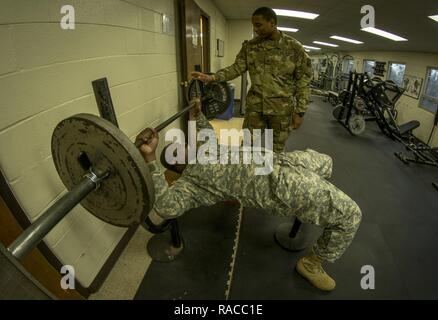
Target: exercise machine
[[422, 153]]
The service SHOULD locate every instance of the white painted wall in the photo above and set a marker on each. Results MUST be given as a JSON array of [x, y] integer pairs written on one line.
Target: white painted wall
[[45, 76], [409, 108], [238, 31]]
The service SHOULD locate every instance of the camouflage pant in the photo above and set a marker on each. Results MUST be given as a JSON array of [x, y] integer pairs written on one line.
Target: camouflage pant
[[316, 201], [280, 125]]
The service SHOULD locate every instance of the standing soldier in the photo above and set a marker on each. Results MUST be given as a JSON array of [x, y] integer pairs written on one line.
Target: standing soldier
[[280, 72]]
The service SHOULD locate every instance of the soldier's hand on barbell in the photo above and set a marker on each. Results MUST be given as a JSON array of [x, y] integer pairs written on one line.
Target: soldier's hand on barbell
[[144, 136], [149, 140], [202, 76]]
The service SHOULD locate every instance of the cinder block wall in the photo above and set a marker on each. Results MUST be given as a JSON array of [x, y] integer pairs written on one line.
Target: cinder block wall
[[45, 76]]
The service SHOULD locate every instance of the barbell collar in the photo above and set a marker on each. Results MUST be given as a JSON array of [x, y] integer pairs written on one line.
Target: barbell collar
[[96, 178]]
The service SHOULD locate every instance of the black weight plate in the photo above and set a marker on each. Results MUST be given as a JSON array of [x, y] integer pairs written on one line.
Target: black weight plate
[[215, 96]]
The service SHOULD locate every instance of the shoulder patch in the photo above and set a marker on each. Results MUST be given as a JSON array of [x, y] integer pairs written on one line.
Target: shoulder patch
[[291, 41]]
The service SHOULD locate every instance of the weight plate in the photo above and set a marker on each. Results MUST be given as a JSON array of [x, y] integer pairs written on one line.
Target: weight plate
[[126, 196], [339, 112], [333, 100], [300, 242], [359, 104], [196, 88], [216, 96], [356, 124], [344, 97]]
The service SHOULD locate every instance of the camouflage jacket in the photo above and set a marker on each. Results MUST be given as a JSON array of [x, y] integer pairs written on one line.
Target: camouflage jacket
[[279, 71], [208, 184]]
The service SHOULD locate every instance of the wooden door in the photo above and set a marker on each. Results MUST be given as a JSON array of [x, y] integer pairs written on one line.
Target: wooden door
[[191, 35]]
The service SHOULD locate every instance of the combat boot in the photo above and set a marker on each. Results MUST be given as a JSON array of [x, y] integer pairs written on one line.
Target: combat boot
[[310, 268]]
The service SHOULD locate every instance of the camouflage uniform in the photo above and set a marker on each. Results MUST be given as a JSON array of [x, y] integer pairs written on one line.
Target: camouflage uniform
[[295, 187], [280, 73]]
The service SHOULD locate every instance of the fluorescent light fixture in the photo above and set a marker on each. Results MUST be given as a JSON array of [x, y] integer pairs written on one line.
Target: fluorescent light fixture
[[435, 17], [307, 50], [296, 14], [384, 34], [311, 48], [287, 29], [346, 39], [326, 44]]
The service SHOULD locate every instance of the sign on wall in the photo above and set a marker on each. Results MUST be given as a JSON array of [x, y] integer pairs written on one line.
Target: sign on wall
[[379, 68], [220, 48], [412, 85]]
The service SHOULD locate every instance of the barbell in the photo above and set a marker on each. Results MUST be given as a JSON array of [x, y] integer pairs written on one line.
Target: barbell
[[104, 171]]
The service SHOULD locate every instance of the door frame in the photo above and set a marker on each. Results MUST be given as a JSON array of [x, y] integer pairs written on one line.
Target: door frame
[[183, 43], [207, 41]]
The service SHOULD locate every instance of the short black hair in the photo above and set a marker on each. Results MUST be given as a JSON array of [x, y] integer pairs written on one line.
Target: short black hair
[[267, 13]]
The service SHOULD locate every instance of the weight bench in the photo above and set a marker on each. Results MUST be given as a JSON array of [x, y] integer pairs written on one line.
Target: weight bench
[[333, 93], [408, 127], [333, 97], [422, 152]]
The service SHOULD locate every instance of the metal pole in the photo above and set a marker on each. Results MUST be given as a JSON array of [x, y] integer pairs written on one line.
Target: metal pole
[[44, 224], [174, 232], [295, 228], [164, 124], [174, 117]]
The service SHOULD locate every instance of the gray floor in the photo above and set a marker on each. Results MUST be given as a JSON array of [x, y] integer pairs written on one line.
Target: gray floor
[[398, 235], [201, 271], [126, 275]]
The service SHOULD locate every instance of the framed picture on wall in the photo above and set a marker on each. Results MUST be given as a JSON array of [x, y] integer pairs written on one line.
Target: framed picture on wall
[[220, 48], [412, 85], [379, 68]]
